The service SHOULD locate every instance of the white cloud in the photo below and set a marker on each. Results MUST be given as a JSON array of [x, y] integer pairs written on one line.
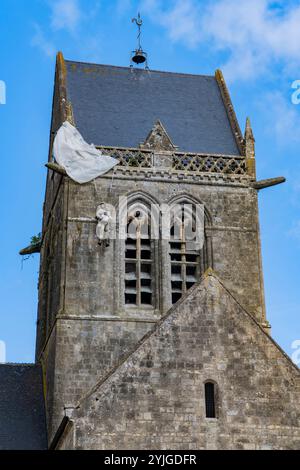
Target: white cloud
[[282, 118], [181, 19], [254, 33], [68, 16], [65, 14], [39, 40]]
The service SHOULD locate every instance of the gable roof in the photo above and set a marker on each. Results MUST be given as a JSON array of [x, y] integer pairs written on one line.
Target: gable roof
[[118, 106], [199, 292], [207, 335], [22, 411]]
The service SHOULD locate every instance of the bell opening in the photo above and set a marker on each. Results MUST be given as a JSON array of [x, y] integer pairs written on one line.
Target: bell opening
[[139, 57]]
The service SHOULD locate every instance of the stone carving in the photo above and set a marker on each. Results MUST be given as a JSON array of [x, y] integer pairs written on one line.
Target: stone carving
[[104, 218], [158, 139]]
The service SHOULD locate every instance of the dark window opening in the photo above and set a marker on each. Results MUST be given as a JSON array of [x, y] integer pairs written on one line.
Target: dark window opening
[[130, 298], [185, 259], [146, 254], [130, 283], [138, 261], [130, 254], [210, 405], [175, 297], [130, 268], [146, 298]]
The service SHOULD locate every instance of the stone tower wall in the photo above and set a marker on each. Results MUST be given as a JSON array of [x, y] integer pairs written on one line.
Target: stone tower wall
[[155, 399], [91, 329]]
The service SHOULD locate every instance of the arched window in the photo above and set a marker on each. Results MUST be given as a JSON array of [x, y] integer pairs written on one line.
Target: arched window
[[210, 399], [138, 257], [188, 256]]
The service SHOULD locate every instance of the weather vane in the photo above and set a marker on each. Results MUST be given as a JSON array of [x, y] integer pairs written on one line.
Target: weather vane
[[139, 56]]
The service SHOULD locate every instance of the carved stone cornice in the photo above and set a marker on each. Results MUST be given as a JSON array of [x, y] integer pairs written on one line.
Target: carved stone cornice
[[173, 176]]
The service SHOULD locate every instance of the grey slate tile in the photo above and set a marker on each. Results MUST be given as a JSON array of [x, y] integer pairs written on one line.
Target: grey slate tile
[[22, 411], [118, 106]]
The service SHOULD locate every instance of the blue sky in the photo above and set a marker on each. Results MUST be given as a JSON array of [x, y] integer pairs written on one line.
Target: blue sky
[[254, 42]]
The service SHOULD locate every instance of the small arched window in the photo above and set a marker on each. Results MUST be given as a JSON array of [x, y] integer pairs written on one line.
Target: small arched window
[[210, 399], [138, 257]]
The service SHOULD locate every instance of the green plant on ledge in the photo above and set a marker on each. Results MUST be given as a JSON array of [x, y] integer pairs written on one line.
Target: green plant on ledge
[[34, 247]]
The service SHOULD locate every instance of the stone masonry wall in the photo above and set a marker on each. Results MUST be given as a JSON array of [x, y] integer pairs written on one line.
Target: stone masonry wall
[[155, 399], [234, 232], [93, 329], [84, 351]]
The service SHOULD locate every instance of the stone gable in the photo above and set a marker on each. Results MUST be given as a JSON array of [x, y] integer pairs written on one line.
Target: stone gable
[[155, 398]]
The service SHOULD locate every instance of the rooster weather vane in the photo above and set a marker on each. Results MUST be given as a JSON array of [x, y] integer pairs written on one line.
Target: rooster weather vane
[[138, 56]]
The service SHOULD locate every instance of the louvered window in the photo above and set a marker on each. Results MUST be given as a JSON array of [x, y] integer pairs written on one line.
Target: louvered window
[[138, 260], [185, 259]]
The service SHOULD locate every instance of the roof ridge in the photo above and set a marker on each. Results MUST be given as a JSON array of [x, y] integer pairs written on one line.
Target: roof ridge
[[256, 322], [234, 123], [141, 70], [26, 364]]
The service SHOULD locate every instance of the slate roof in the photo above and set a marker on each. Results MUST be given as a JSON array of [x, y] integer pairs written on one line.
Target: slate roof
[[118, 106], [22, 411]]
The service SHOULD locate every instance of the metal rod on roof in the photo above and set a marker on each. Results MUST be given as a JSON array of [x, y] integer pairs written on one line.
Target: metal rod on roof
[[139, 23], [139, 56]]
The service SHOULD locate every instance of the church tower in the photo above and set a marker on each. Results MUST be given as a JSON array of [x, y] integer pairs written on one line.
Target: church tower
[[144, 341]]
